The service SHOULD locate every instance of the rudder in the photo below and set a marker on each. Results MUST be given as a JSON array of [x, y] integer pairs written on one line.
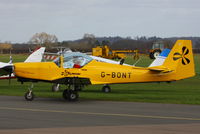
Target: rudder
[[181, 60]]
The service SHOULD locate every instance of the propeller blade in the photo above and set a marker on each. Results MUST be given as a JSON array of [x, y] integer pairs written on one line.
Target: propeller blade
[[9, 79], [11, 61], [10, 71]]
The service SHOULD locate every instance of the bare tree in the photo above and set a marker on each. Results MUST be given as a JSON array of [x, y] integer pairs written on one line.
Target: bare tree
[[43, 39], [87, 35], [89, 39]]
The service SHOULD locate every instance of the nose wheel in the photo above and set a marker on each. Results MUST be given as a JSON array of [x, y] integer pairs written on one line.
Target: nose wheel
[[29, 96]]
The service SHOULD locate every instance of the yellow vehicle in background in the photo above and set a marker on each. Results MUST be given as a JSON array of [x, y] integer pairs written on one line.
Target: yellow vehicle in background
[[156, 50], [106, 52]]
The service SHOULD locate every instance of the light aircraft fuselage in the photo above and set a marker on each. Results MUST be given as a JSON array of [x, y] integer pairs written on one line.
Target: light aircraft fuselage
[[78, 69]]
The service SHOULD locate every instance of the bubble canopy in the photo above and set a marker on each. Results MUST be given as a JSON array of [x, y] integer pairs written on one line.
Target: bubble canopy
[[73, 60]]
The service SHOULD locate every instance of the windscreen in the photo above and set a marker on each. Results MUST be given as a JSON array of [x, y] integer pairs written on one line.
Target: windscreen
[[75, 60]]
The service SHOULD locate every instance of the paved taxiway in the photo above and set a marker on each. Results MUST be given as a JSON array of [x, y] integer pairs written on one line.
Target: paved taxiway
[[56, 115]]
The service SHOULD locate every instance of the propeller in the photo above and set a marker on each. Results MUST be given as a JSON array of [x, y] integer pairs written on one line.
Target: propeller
[[10, 68], [9, 79], [10, 71]]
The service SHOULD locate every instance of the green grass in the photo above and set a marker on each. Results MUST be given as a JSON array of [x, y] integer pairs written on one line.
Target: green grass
[[181, 92], [16, 57]]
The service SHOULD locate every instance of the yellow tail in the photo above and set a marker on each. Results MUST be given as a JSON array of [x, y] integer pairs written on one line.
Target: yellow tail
[[181, 60]]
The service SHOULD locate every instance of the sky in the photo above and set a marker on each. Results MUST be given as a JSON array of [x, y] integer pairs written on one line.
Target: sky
[[71, 19]]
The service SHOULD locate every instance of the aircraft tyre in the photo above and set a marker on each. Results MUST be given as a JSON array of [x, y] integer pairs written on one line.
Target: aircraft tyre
[[151, 56], [154, 54], [106, 89], [70, 95], [29, 96]]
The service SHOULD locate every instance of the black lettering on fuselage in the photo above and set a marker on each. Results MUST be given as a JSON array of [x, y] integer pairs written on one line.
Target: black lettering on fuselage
[[116, 75], [123, 75], [129, 75], [113, 75], [65, 73], [103, 74]]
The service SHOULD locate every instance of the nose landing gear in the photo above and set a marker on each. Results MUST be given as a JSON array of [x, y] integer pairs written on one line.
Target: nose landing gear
[[29, 96]]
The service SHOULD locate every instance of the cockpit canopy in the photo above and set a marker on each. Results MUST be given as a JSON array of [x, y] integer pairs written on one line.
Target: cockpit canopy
[[73, 60]]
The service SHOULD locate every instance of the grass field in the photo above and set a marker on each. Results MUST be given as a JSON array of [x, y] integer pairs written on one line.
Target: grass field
[[181, 92]]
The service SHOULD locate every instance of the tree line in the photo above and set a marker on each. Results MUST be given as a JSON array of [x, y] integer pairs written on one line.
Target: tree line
[[88, 41]]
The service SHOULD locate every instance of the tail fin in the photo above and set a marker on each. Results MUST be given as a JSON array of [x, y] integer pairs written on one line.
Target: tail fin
[[36, 56], [181, 60]]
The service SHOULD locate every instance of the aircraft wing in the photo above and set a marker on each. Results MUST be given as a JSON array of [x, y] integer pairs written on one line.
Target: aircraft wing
[[5, 68], [36, 56], [107, 60], [2, 64]]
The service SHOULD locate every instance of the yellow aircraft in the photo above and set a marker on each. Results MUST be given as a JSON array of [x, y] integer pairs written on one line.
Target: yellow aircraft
[[77, 70]]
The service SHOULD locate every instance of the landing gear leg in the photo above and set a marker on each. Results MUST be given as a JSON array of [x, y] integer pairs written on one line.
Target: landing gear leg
[[71, 94], [29, 96], [55, 87], [106, 89]]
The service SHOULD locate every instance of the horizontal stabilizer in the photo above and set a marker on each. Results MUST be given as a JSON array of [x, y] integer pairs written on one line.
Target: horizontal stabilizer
[[162, 69]]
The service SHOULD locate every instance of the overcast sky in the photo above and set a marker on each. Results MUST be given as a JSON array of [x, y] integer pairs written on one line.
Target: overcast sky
[[70, 19]]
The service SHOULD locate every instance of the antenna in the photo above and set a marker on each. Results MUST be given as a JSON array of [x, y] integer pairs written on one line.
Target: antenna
[[11, 60], [30, 50], [62, 50]]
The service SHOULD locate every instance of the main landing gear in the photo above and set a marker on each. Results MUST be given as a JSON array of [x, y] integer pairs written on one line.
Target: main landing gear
[[106, 89], [70, 95], [55, 87], [29, 96]]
